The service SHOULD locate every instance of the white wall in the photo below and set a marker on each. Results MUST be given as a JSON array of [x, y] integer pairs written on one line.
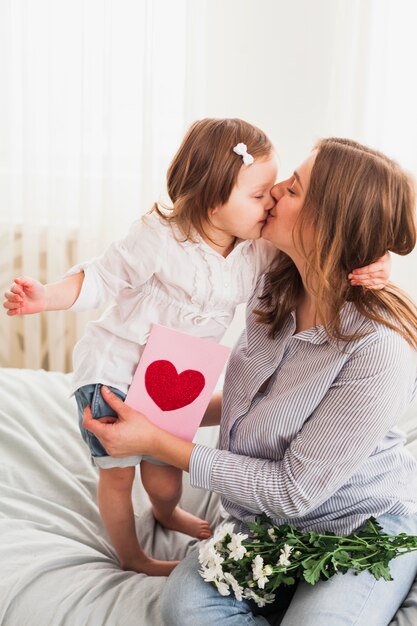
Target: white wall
[[276, 64]]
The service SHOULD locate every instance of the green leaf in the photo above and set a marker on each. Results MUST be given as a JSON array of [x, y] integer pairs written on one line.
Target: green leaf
[[379, 570], [313, 537], [312, 573], [342, 557], [356, 564]]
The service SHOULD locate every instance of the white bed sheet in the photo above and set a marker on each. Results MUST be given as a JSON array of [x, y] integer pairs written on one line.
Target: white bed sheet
[[57, 567]]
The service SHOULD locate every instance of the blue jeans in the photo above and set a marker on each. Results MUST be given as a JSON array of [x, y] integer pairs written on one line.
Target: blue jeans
[[91, 395], [343, 600]]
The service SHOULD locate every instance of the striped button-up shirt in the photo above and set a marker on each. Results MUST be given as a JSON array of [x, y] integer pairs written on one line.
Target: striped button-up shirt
[[320, 447]]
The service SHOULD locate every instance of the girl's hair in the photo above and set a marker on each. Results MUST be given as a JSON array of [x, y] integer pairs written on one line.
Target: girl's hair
[[204, 170], [361, 204]]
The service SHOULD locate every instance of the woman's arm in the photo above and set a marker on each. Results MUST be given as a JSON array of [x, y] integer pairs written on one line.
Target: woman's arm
[[122, 436], [365, 401], [214, 411]]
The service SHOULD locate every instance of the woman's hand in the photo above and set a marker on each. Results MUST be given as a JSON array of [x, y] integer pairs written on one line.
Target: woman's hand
[[374, 276], [131, 434]]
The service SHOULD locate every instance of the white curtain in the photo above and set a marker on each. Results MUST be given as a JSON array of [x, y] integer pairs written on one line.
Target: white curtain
[[391, 100], [95, 96]]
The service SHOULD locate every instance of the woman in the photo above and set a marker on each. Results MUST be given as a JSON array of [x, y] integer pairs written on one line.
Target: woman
[[313, 392]]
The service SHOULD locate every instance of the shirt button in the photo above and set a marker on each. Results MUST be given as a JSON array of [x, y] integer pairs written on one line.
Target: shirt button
[[226, 284]]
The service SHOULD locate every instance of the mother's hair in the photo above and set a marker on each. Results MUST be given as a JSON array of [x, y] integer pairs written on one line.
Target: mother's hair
[[361, 204]]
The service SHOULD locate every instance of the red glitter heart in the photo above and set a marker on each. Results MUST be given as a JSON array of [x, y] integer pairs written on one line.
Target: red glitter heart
[[170, 390]]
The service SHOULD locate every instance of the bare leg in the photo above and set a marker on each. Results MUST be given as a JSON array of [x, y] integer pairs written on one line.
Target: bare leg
[[115, 504], [163, 484]]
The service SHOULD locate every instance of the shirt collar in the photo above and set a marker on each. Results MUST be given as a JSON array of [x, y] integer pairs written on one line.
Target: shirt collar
[[240, 245], [351, 322]]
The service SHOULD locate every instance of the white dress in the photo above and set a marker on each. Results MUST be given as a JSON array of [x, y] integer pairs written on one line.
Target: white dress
[[152, 276]]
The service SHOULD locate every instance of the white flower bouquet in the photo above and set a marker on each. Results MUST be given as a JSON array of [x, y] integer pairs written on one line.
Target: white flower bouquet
[[254, 567]]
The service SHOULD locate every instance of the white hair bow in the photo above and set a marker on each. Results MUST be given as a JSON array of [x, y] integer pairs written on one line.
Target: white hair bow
[[242, 150]]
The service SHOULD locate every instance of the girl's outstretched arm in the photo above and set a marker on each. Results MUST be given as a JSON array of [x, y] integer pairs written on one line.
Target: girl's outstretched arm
[[27, 295]]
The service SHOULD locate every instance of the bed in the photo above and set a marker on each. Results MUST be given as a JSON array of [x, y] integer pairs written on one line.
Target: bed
[[57, 567]]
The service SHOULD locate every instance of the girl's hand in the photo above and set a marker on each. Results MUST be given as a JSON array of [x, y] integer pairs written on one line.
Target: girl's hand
[[374, 276], [131, 434], [25, 296]]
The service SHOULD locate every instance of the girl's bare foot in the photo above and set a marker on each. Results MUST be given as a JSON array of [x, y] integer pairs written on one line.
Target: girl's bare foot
[[184, 522], [150, 567]]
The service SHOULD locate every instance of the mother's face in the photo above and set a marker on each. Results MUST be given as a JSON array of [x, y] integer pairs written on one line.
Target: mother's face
[[290, 196]]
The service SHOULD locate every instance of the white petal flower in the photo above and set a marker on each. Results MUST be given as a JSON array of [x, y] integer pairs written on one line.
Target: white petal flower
[[284, 558], [271, 533], [261, 601], [211, 572], [223, 530], [259, 572], [207, 552], [212, 567], [222, 587], [249, 594], [262, 580], [237, 551], [237, 589], [208, 574], [267, 598], [257, 567]]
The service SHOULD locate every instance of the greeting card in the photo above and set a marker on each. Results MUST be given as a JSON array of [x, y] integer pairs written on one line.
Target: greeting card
[[175, 379]]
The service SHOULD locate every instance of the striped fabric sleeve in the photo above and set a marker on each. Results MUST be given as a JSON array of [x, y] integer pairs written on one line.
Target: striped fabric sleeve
[[201, 465], [364, 402]]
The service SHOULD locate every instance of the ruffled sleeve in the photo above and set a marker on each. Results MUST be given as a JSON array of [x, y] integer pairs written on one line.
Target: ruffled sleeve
[[126, 264]]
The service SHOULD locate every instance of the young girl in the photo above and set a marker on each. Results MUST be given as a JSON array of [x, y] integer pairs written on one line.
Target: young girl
[[186, 268]]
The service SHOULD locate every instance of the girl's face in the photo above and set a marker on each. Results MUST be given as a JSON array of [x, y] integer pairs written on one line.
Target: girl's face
[[245, 212], [290, 196]]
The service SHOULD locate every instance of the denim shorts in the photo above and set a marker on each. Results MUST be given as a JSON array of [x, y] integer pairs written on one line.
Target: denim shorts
[[91, 395]]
